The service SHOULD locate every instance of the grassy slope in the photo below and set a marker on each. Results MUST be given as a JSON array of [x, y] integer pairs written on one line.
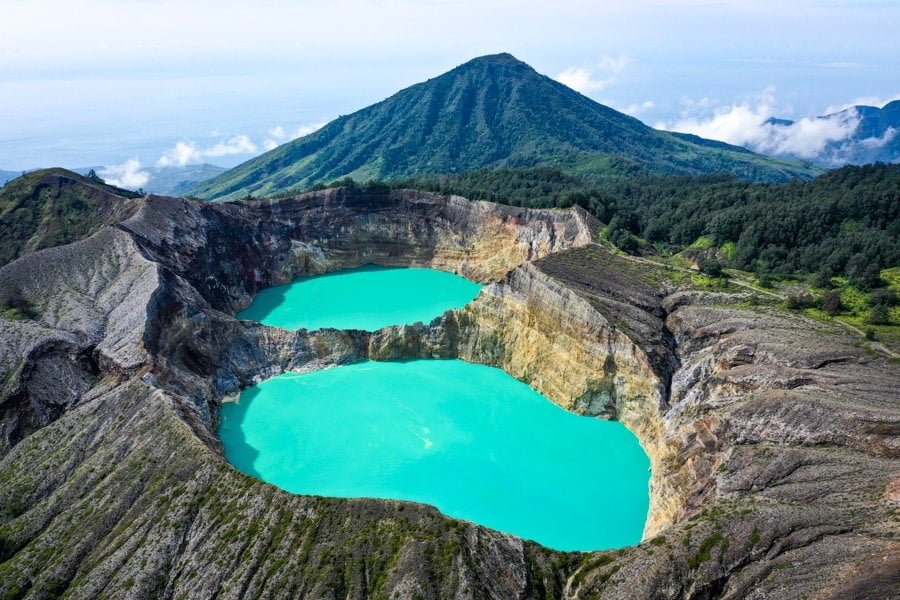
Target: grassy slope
[[52, 207], [491, 111]]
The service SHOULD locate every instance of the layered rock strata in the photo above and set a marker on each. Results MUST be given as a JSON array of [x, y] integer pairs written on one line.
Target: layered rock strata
[[773, 438]]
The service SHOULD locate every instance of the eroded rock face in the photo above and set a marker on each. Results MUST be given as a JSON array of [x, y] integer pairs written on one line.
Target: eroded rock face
[[230, 251], [773, 439]]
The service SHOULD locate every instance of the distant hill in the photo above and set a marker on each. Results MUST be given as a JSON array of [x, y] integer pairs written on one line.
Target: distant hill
[[178, 181], [51, 207], [166, 181], [493, 111], [875, 139], [172, 181]]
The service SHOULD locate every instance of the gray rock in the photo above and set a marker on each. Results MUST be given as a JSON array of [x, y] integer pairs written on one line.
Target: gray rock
[[773, 438]]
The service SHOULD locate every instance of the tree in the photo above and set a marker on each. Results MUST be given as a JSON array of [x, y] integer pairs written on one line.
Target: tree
[[883, 297], [798, 300], [879, 316], [712, 267], [92, 175], [871, 278], [822, 279]]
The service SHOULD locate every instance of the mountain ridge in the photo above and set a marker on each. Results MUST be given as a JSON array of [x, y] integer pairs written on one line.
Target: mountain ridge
[[168, 181], [492, 111], [50, 207], [875, 138]]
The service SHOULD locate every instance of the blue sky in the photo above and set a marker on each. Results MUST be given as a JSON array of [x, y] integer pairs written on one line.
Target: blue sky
[[99, 82]]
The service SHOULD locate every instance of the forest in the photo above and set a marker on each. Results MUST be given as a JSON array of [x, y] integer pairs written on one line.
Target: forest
[[843, 223]]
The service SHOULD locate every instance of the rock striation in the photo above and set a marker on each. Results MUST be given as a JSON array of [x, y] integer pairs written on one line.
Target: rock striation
[[773, 438]]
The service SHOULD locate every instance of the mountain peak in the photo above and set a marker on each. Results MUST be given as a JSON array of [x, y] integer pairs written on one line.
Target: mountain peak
[[492, 111], [504, 63], [503, 58]]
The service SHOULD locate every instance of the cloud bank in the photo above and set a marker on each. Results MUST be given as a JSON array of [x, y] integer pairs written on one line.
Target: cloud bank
[[636, 109], [751, 125], [593, 79], [189, 152], [278, 135], [128, 175]]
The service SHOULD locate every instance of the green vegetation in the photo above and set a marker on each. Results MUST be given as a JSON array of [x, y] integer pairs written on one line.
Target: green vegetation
[[14, 305], [704, 552], [846, 222], [52, 207], [589, 565], [493, 111]]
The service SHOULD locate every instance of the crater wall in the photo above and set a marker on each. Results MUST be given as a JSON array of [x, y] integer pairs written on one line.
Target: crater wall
[[773, 438]]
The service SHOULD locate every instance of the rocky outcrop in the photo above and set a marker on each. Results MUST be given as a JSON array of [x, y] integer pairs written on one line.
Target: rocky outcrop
[[230, 251], [90, 302], [772, 438]]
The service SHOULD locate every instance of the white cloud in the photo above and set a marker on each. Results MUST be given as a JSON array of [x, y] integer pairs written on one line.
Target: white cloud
[[278, 135], [593, 79], [878, 142], [747, 124], [188, 152], [128, 175], [637, 108]]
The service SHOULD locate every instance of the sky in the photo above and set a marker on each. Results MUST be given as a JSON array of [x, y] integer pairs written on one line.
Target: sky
[[143, 83]]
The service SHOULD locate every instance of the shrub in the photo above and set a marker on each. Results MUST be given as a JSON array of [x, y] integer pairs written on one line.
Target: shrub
[[799, 300], [711, 267], [832, 303], [624, 240], [16, 300], [879, 316]]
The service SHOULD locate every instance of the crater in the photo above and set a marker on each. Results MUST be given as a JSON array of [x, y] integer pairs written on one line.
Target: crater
[[469, 439], [367, 298]]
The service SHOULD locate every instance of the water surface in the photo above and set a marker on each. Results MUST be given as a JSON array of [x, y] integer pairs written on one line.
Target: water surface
[[366, 298], [468, 439]]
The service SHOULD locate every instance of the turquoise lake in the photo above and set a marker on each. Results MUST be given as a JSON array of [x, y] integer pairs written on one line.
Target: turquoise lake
[[367, 298], [468, 439]]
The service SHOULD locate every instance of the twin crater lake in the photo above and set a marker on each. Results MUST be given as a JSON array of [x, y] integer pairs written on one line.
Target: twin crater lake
[[468, 439]]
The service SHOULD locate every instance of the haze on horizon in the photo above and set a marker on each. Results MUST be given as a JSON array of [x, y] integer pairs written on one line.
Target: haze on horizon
[[160, 83]]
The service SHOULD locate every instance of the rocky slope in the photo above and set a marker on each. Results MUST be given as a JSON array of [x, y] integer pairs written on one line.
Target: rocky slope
[[773, 439]]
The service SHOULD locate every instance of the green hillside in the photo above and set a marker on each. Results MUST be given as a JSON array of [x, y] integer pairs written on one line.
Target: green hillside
[[493, 111], [51, 207], [845, 222]]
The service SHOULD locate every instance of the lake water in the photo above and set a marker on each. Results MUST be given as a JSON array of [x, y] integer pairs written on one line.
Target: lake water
[[468, 439], [367, 298]]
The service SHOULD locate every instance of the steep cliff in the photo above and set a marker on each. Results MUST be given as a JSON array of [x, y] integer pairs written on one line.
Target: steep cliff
[[773, 439]]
